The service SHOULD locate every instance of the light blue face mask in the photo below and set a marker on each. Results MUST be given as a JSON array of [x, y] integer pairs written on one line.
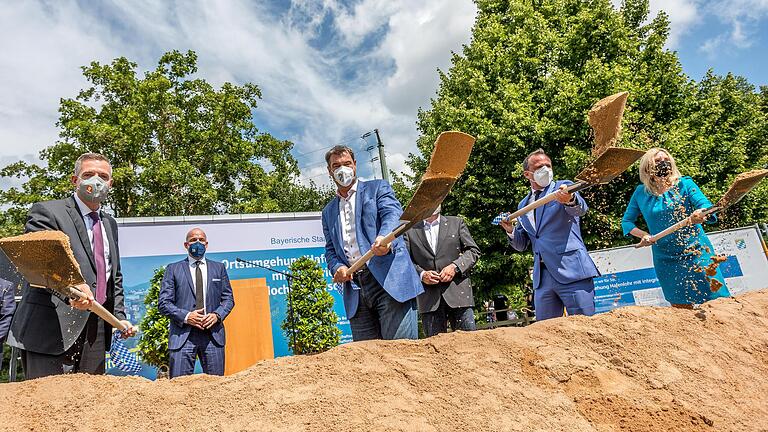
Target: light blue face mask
[[196, 250]]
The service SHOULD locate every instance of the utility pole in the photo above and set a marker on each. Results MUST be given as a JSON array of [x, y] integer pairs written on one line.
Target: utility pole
[[382, 159]]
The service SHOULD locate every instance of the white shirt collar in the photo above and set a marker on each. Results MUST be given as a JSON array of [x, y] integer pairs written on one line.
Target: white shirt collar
[[433, 223], [350, 193], [84, 209], [192, 260]]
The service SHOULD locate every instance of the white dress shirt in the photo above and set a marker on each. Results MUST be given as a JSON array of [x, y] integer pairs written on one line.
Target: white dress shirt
[[84, 211], [193, 273], [432, 231], [531, 214], [348, 228]]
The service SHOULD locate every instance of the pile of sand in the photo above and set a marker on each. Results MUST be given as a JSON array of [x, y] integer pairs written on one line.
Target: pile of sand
[[639, 369]]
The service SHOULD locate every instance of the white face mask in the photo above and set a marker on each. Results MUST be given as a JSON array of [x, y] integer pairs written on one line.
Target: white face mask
[[543, 176], [344, 176]]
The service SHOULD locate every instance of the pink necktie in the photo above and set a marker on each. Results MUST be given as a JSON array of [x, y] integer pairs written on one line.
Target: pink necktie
[[98, 255]]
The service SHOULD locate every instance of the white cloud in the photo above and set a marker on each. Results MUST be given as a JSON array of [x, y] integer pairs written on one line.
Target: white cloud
[[743, 17], [684, 15]]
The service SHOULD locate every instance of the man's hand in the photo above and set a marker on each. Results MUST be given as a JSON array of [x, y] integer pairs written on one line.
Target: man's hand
[[509, 226], [647, 240], [195, 319], [82, 304], [562, 196], [130, 330], [342, 275], [430, 277], [209, 320], [698, 217], [379, 249], [447, 273]]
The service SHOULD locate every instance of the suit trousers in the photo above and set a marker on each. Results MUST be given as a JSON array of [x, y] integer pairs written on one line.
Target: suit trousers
[[379, 315], [199, 344], [462, 318], [86, 355], [551, 296]]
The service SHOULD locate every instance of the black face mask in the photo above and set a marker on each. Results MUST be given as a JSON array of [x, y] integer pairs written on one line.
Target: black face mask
[[663, 169]]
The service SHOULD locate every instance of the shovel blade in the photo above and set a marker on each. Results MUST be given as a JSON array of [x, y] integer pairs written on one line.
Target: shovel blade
[[742, 184], [605, 119], [609, 165]]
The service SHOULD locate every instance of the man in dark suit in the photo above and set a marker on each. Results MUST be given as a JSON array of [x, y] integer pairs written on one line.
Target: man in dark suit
[[7, 307], [443, 252], [196, 295], [380, 298], [56, 334]]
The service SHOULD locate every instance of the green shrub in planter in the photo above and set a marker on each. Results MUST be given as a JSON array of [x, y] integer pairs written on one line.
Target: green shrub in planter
[[312, 307]]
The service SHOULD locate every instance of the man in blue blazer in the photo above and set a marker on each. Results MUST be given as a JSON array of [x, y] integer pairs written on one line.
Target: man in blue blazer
[[380, 299], [196, 295], [562, 268]]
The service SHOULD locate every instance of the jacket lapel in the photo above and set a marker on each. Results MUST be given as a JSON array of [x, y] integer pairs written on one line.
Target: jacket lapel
[[421, 237], [524, 219], [359, 213], [208, 286], [543, 209], [82, 232]]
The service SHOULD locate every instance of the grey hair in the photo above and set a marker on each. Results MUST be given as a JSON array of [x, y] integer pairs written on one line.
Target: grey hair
[[338, 150], [538, 151], [90, 156]]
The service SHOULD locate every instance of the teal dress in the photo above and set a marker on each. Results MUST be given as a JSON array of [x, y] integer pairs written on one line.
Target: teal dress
[[681, 257]]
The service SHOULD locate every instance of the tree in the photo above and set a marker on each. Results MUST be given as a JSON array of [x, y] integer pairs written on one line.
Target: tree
[[154, 326], [178, 146], [311, 309], [527, 80]]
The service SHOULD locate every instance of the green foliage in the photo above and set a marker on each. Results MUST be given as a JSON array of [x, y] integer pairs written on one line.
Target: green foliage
[[153, 343], [178, 146], [527, 80], [312, 310]]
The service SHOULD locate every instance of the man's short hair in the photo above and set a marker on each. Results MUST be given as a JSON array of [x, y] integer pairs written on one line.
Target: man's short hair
[[538, 151], [89, 156], [338, 150]]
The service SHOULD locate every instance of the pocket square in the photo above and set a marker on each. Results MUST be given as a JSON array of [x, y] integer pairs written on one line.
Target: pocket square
[[215, 280]]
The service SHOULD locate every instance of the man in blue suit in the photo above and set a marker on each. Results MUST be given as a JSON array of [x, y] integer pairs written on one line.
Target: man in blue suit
[[562, 268], [380, 299], [197, 297]]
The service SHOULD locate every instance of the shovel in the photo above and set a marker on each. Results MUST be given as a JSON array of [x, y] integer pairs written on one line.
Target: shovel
[[449, 158], [742, 184], [610, 164], [45, 260]]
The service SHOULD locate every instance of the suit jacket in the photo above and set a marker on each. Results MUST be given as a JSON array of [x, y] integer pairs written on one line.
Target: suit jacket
[[377, 213], [454, 246], [177, 299], [44, 322], [556, 239], [7, 307]]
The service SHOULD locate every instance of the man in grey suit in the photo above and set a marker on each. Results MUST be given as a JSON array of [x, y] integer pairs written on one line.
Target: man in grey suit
[[56, 334], [443, 252]]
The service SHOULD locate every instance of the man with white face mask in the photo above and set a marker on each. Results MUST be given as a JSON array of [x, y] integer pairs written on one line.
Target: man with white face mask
[[562, 268], [380, 298], [59, 335]]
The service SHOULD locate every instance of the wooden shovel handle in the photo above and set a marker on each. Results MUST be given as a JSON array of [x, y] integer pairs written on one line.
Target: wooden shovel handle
[[99, 310], [683, 223], [389, 238], [546, 199]]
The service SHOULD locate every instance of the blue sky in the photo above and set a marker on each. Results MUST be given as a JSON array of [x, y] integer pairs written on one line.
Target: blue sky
[[329, 70]]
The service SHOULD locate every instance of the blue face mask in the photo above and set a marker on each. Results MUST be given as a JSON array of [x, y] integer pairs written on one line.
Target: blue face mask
[[196, 250]]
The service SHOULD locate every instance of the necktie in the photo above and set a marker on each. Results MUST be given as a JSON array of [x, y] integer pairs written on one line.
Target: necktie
[[537, 212], [98, 256], [199, 299]]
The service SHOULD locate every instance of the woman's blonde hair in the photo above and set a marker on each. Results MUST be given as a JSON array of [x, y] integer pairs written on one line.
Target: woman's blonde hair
[[655, 185]]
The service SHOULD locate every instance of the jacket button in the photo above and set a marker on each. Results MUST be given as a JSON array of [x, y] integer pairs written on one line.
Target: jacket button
[[537, 236]]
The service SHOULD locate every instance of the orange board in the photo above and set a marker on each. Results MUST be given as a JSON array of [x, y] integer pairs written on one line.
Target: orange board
[[249, 326]]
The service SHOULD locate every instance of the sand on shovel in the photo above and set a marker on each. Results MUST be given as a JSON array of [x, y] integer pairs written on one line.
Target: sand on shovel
[[45, 259], [605, 119]]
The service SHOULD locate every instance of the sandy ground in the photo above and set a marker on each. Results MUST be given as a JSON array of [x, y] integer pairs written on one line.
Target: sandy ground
[[638, 369]]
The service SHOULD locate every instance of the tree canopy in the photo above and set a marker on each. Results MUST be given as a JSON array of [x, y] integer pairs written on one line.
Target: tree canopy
[[528, 78], [178, 146]]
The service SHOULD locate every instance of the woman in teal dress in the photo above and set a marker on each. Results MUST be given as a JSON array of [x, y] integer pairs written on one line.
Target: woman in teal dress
[[681, 258]]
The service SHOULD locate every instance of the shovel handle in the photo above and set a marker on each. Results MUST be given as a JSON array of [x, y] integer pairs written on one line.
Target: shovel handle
[[99, 310], [683, 223], [389, 238], [546, 199]]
